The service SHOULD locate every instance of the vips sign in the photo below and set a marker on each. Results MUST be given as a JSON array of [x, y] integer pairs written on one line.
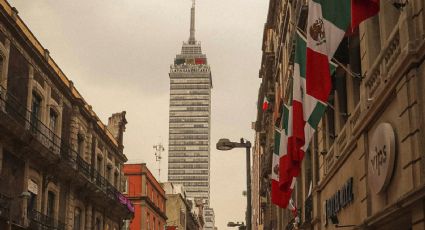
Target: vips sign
[[381, 157]]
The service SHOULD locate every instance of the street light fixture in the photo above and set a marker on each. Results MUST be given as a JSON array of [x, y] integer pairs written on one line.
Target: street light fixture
[[225, 144]]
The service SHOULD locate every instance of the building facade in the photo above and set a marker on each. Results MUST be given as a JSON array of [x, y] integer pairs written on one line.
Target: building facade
[[190, 115], [148, 198], [209, 219], [60, 166], [190, 118], [180, 210], [365, 165]]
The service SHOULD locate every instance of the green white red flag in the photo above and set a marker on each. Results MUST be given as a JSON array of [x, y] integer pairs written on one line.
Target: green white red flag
[[265, 103], [327, 24], [279, 197]]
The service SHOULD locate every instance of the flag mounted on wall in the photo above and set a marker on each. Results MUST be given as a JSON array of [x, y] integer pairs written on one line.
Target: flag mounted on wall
[[327, 24], [265, 103]]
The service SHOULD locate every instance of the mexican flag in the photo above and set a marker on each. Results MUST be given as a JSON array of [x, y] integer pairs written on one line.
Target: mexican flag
[[308, 107], [328, 21], [279, 197], [265, 103]]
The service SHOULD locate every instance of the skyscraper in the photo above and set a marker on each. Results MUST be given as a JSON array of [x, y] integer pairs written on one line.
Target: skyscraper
[[190, 115]]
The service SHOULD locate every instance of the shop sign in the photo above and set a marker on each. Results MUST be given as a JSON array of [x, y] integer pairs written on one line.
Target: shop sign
[[381, 157], [341, 199]]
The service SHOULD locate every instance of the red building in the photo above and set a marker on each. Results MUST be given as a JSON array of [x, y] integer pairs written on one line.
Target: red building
[[147, 196]]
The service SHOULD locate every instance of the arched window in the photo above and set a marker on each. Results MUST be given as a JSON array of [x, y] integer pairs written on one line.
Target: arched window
[[51, 196]]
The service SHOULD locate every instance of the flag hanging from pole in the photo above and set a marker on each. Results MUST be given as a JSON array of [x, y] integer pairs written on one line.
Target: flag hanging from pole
[[307, 109], [265, 103], [279, 197], [327, 24]]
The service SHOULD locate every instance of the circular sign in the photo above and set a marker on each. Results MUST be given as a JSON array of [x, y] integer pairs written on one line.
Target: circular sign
[[381, 157]]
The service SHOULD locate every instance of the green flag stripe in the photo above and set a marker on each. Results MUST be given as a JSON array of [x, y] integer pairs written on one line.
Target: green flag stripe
[[316, 115], [300, 54], [337, 12], [285, 119], [332, 67], [276, 142]]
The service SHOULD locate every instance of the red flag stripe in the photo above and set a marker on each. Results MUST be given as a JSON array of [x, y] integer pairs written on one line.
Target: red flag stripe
[[318, 81]]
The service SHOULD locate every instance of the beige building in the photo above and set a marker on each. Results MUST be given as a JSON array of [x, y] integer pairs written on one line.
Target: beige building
[[60, 166], [182, 212], [366, 163]]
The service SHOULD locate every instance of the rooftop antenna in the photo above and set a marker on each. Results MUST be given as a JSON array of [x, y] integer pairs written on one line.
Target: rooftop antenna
[[159, 148], [192, 24]]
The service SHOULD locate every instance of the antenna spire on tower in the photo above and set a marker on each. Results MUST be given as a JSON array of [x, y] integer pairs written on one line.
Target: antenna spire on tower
[[192, 24]]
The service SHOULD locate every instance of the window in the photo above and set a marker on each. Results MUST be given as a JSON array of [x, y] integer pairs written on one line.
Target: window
[[153, 223], [77, 219], [53, 120], [125, 185], [32, 202], [99, 165], [50, 204], [80, 144], [147, 221], [33, 190], [108, 173], [98, 224], [35, 111], [116, 179]]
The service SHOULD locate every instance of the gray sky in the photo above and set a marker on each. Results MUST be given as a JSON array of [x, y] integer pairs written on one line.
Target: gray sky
[[118, 54]]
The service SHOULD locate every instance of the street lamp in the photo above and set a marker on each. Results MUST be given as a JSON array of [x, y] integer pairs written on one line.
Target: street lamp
[[237, 224], [224, 145]]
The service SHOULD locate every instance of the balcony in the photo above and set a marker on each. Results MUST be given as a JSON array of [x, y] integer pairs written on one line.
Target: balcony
[[70, 164], [40, 221]]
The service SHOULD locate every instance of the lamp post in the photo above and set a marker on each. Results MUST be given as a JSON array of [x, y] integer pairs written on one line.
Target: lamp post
[[226, 144]]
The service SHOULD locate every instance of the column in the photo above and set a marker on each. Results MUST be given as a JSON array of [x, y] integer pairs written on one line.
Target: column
[[4, 52], [88, 216]]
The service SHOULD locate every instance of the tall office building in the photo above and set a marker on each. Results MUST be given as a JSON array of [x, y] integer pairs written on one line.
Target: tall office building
[[190, 114]]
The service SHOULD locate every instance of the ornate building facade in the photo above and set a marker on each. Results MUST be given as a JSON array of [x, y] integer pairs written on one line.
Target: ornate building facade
[[148, 198], [60, 166], [365, 166]]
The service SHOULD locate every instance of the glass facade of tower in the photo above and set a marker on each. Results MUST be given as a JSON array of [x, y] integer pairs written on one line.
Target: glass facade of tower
[[189, 124]]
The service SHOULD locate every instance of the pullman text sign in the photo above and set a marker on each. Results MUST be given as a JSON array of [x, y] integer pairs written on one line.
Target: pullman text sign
[[339, 200]]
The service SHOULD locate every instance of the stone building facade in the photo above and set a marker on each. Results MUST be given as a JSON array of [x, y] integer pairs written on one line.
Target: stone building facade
[[148, 198], [182, 213], [60, 166], [365, 165]]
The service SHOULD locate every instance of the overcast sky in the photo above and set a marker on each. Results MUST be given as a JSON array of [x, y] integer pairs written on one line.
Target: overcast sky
[[118, 54]]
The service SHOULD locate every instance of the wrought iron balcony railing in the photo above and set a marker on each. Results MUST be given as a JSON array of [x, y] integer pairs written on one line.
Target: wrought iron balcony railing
[[39, 220]]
